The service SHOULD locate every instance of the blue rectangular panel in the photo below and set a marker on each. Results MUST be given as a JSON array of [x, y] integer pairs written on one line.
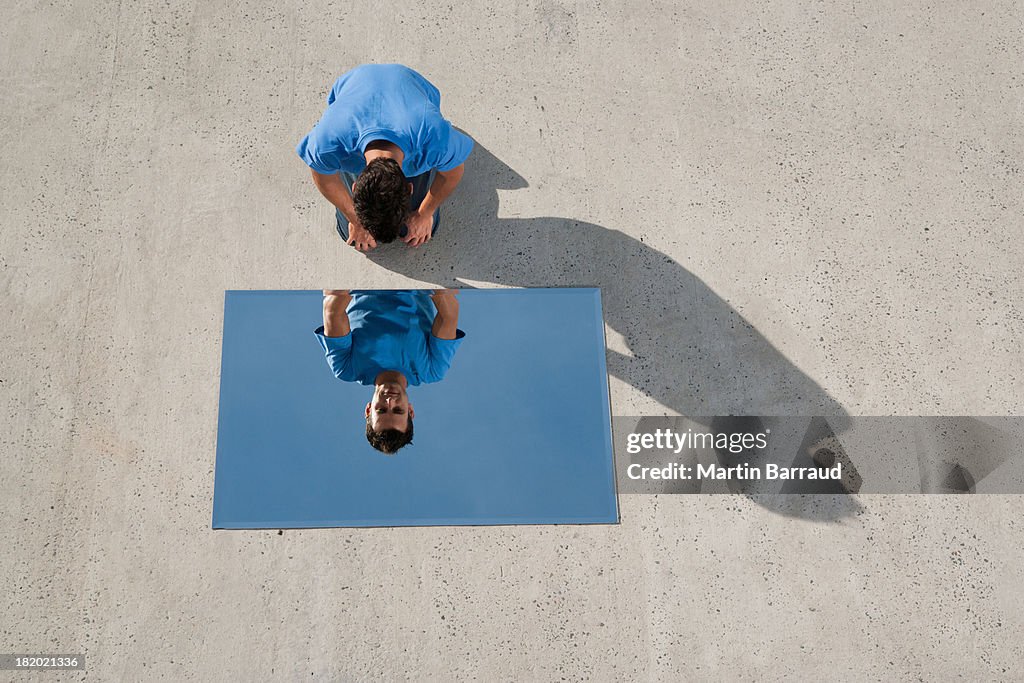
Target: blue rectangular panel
[[517, 432]]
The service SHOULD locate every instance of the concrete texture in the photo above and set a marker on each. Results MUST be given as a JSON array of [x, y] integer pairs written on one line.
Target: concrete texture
[[797, 207]]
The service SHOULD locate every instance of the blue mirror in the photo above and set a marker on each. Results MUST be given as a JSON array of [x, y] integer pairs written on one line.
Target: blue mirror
[[413, 407]]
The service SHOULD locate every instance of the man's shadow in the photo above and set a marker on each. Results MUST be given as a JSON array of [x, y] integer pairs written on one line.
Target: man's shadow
[[687, 348]]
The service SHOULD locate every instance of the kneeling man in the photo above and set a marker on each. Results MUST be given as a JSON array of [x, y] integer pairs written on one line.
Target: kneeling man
[[383, 124]]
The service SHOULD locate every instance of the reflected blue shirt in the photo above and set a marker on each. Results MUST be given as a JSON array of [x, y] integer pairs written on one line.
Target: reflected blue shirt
[[383, 102], [390, 331]]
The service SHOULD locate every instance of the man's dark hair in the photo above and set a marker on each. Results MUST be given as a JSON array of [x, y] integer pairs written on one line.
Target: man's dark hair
[[388, 441], [381, 198]]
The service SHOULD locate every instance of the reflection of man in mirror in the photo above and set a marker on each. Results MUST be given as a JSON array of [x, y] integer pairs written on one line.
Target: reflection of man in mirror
[[383, 122], [390, 340]]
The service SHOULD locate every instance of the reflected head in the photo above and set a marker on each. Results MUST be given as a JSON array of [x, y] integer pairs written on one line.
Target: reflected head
[[381, 198], [389, 414], [388, 441]]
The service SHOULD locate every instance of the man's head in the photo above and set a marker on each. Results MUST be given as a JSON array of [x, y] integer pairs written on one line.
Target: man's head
[[381, 197], [389, 416]]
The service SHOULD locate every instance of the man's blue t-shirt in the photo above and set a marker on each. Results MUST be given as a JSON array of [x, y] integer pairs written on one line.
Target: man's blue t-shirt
[[383, 102], [390, 331]]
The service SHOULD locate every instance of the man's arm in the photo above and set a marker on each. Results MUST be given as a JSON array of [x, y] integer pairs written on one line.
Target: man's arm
[[446, 322], [336, 335], [333, 188], [335, 316], [445, 336], [421, 222]]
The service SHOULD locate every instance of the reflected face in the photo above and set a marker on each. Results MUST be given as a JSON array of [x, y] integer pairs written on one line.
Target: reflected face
[[389, 408]]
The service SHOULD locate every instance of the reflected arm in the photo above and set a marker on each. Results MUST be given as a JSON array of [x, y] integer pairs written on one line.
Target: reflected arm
[[335, 336], [335, 316], [446, 322], [445, 336]]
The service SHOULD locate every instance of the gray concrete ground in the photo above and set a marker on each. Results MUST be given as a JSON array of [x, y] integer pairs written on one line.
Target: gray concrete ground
[[796, 207]]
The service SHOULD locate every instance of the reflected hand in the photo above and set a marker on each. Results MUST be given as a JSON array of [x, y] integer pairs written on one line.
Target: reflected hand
[[359, 237], [418, 228]]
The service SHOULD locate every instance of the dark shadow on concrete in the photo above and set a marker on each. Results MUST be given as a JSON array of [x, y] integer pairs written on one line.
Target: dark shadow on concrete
[[688, 349]]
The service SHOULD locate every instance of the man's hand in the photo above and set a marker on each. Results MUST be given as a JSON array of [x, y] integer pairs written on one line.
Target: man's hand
[[359, 237], [419, 227]]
